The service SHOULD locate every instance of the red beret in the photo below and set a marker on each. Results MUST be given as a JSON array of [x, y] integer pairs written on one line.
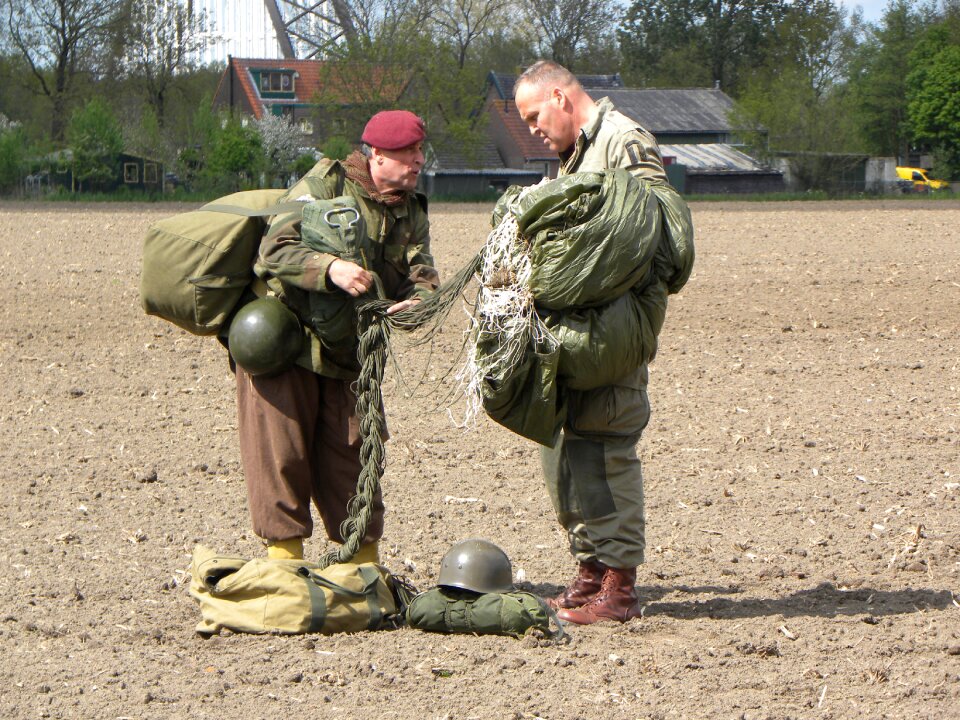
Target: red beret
[[393, 130]]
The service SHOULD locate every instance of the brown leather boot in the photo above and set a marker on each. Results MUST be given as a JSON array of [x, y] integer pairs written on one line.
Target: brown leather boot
[[583, 587], [616, 600]]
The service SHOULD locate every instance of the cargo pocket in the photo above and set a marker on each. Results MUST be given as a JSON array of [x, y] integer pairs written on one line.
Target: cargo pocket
[[621, 410], [215, 297], [332, 318]]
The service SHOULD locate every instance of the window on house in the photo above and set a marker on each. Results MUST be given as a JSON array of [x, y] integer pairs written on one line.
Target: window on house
[[150, 173], [276, 82], [131, 173]]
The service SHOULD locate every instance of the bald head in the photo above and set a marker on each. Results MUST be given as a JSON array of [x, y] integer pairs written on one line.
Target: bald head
[[553, 104], [547, 72]]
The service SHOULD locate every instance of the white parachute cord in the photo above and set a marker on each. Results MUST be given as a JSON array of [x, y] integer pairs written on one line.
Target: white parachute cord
[[504, 319]]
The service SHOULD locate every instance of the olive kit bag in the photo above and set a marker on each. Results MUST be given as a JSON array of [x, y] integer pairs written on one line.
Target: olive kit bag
[[452, 610], [197, 265], [292, 596]]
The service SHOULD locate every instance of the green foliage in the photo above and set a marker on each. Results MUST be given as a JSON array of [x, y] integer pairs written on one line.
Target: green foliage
[[280, 144], [878, 80], [934, 95], [235, 155], [796, 101], [335, 147], [303, 164], [691, 43], [201, 133], [96, 140], [147, 135], [13, 154]]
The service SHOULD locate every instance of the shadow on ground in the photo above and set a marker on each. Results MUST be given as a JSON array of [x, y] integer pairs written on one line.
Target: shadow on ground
[[824, 600]]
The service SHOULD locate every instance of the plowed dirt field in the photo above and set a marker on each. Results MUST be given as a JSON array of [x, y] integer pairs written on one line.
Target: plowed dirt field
[[802, 478]]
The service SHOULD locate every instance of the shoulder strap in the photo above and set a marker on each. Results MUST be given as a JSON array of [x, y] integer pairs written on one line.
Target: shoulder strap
[[249, 212], [341, 177]]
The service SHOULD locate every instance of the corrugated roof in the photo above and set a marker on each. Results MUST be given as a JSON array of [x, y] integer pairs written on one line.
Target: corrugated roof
[[713, 158], [674, 110]]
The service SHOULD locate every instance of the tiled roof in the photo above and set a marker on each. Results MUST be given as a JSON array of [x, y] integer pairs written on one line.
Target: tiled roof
[[531, 147], [335, 83], [485, 157], [678, 110]]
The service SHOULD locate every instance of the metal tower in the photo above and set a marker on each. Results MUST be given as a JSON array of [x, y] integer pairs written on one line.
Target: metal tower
[[308, 29]]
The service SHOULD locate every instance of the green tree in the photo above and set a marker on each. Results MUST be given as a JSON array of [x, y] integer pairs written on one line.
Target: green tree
[[235, 156], [159, 40], [878, 79], [13, 154], [684, 43], [96, 139], [199, 136], [145, 137], [335, 147], [934, 93], [567, 29], [60, 40], [796, 101]]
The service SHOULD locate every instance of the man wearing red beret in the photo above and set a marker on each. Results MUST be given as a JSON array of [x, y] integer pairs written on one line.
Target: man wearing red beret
[[299, 432]]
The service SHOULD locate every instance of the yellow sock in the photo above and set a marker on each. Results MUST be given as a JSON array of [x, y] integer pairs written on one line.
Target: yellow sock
[[368, 553], [290, 549]]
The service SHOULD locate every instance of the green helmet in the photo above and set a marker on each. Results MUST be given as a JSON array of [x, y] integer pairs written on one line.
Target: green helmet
[[264, 337], [476, 565]]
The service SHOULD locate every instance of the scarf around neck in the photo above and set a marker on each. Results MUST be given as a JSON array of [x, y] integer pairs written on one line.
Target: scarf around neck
[[357, 166]]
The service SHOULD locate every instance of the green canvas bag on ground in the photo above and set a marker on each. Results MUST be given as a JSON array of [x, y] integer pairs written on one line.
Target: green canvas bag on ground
[[451, 610], [292, 596], [197, 265]]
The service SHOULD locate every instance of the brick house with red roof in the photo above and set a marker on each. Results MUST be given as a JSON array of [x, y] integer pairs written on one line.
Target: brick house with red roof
[[306, 91]]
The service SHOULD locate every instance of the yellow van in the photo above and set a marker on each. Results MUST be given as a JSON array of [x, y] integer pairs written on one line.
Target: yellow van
[[921, 182]]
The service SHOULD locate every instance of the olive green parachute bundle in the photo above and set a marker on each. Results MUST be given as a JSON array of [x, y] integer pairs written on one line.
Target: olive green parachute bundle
[[576, 295], [591, 236]]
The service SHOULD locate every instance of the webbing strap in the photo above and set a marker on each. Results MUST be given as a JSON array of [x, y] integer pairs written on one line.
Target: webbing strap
[[318, 603], [371, 577], [322, 581], [252, 212]]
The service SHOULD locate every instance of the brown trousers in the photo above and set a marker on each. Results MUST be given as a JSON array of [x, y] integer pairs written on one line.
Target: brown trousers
[[300, 440]]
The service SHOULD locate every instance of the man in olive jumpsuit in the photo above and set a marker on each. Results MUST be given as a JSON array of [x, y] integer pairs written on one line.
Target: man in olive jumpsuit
[[593, 473], [299, 433]]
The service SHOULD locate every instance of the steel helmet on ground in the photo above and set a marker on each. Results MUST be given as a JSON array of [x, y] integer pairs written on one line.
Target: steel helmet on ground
[[264, 337], [476, 565]]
